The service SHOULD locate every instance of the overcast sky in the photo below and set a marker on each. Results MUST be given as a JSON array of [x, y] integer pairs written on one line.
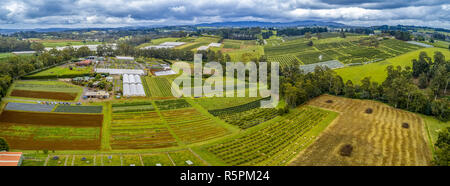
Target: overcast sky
[[117, 13]]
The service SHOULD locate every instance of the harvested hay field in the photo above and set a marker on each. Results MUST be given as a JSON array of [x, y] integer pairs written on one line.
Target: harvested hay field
[[52, 119], [44, 95], [376, 139]]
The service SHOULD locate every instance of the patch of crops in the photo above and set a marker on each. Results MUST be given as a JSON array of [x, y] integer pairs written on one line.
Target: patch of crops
[[192, 126], [172, 104], [141, 130], [239, 108], [250, 118], [79, 109], [273, 145], [37, 137], [223, 102], [289, 47], [313, 57], [158, 87], [285, 60], [29, 107], [132, 107]]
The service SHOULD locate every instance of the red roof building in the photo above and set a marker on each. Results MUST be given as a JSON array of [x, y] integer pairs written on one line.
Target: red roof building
[[10, 158], [84, 63]]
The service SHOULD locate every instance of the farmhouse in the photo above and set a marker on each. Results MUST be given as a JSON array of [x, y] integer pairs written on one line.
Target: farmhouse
[[10, 158], [99, 94]]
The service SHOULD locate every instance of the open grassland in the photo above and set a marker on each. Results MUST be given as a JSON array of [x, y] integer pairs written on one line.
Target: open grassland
[[158, 87], [51, 86], [33, 130], [377, 71], [362, 137], [434, 126], [61, 72], [272, 143], [191, 126]]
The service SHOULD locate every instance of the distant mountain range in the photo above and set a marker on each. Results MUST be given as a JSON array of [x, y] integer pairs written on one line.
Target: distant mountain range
[[270, 24], [217, 24]]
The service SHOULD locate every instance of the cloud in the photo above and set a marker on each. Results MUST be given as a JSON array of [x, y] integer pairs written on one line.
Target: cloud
[[114, 13]]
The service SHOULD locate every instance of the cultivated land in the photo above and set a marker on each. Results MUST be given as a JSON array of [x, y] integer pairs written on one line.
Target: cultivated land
[[377, 71], [61, 72], [161, 130], [377, 138], [44, 90]]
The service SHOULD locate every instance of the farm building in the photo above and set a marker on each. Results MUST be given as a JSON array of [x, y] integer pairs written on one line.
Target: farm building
[[132, 85], [165, 45], [10, 158], [119, 71], [23, 52], [164, 72], [91, 47], [84, 63], [99, 94], [125, 58]]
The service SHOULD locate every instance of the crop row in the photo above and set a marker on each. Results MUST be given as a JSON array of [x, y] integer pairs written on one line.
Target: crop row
[[275, 140], [250, 118], [239, 108]]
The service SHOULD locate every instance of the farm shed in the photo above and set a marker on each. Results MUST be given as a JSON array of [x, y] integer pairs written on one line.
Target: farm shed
[[119, 71], [132, 85], [172, 44], [214, 44], [164, 72], [203, 48], [10, 158], [99, 94], [125, 58], [23, 52]]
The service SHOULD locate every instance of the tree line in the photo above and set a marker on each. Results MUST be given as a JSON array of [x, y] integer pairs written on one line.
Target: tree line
[[11, 44], [301, 31], [398, 90]]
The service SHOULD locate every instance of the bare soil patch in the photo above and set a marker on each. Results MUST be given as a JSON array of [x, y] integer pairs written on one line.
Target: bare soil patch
[[44, 95]]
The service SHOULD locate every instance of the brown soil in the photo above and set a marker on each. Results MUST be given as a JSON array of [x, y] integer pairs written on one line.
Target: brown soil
[[329, 101], [52, 119], [44, 95], [369, 111]]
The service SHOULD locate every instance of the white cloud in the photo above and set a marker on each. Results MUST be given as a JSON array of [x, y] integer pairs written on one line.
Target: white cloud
[[70, 13]]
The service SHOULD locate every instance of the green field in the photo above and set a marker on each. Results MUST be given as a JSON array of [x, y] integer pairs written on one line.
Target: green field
[[62, 71], [157, 87], [5, 55], [377, 71], [51, 86]]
